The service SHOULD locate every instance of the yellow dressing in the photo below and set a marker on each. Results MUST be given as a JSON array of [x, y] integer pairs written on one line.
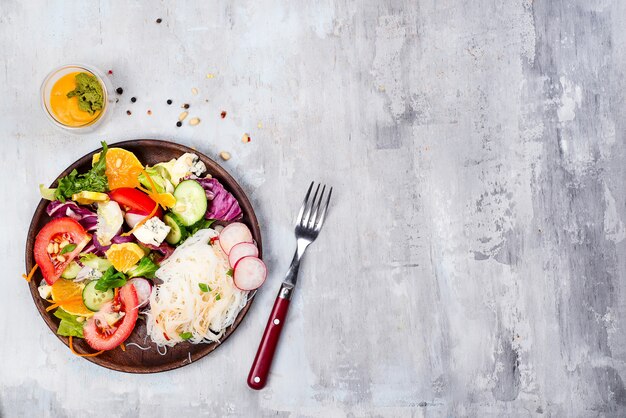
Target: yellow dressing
[[64, 109]]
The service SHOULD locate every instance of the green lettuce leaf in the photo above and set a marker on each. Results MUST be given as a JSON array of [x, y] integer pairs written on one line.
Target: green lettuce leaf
[[69, 326], [110, 279], [146, 268]]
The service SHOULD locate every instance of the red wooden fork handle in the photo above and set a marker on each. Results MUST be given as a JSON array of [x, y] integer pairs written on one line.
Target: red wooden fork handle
[[265, 354]]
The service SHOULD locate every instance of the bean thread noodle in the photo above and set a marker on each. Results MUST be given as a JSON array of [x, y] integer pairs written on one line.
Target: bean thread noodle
[[197, 296]]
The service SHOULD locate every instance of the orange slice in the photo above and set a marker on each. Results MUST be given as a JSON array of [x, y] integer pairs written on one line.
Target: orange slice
[[122, 168], [167, 200], [68, 295], [124, 256]]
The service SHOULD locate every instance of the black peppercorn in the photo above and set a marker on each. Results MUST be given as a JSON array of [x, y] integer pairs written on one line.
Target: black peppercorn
[[133, 99], [119, 90], [186, 105], [179, 124], [169, 102], [159, 20], [128, 112]]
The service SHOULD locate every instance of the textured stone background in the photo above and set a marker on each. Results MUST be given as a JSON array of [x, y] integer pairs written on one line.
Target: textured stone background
[[474, 259]]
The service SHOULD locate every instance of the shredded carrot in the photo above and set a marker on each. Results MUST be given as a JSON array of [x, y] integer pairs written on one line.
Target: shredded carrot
[[117, 290], [30, 274], [152, 185], [141, 222], [61, 302], [153, 194], [123, 347], [143, 189], [83, 355]]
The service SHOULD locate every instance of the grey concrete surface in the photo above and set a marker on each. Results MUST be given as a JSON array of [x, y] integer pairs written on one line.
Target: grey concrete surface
[[473, 261]]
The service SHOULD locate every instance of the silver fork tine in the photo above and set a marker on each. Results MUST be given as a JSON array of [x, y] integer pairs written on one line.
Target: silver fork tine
[[309, 208], [299, 218], [317, 208], [320, 221]]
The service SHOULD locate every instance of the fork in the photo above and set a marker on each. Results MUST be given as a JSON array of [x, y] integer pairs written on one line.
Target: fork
[[308, 225]]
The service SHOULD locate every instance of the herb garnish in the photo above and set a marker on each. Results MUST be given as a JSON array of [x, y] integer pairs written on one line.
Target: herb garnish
[[93, 181]]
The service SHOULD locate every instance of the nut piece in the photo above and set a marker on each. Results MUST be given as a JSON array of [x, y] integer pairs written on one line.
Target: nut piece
[[224, 155], [194, 121], [246, 138], [194, 91], [182, 116]]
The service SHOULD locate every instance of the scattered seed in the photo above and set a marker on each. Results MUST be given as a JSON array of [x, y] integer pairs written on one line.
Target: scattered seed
[[64, 244], [128, 112], [110, 72], [259, 125], [117, 100], [80, 318], [169, 102], [210, 75], [246, 138], [183, 115], [50, 248], [119, 90], [61, 258], [149, 112], [223, 114], [194, 121], [225, 155], [159, 20], [179, 124], [118, 163], [133, 99], [56, 247], [185, 106], [194, 91]]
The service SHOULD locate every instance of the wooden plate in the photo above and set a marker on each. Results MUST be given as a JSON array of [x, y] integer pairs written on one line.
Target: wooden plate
[[135, 360]]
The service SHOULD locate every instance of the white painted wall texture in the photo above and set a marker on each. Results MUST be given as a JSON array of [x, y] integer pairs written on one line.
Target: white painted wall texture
[[473, 262]]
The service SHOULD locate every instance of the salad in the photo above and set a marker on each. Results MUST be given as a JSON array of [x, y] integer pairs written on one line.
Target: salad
[[129, 242]]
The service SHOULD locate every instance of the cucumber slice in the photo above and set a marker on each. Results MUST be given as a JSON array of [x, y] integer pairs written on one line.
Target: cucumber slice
[[71, 271], [191, 202], [177, 230], [96, 263], [93, 298]]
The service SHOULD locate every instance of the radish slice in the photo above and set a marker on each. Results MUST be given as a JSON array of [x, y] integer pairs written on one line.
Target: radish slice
[[233, 234], [143, 288], [249, 273], [241, 250], [133, 218]]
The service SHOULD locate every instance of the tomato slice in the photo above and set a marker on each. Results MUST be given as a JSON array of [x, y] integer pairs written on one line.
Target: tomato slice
[[49, 244], [134, 200], [99, 334]]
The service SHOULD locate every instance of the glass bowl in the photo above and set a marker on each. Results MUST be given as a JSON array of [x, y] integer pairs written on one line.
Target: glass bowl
[[55, 75]]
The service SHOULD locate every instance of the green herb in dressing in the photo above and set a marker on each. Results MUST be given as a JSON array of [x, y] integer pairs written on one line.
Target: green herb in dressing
[[89, 93]]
